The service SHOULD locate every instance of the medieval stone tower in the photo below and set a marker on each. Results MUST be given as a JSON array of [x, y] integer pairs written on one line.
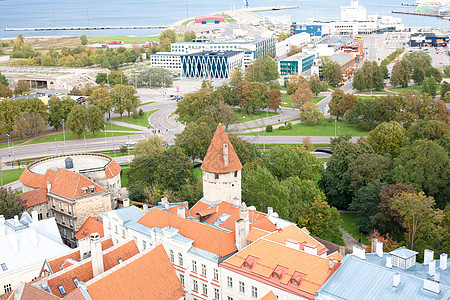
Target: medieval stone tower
[[221, 171]]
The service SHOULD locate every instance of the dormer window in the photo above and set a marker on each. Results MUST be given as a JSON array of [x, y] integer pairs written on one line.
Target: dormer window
[[293, 281], [120, 261], [75, 281], [4, 267], [247, 265], [275, 275]]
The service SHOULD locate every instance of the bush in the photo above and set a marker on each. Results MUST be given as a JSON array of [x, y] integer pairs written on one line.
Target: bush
[[123, 149], [269, 128], [286, 127], [141, 113]]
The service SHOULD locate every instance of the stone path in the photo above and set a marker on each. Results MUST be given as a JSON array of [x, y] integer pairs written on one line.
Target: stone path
[[349, 240]]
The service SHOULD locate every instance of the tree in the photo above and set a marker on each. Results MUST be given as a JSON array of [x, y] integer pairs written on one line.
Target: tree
[[195, 140], [428, 130], [302, 95], [83, 39], [370, 76], [143, 169], [152, 146], [256, 97], [124, 98], [336, 97], [94, 119], [366, 114], [366, 202], [5, 91], [219, 113], [245, 151], [22, 87], [316, 85], [445, 87], [423, 164], [59, 109], [29, 123], [76, 120], [310, 114], [420, 219], [367, 168], [400, 73], [3, 79], [101, 78], [388, 138], [137, 193], [294, 83], [174, 169], [331, 71], [189, 36], [285, 161], [282, 36], [384, 70], [275, 100], [447, 70], [429, 86], [100, 97], [10, 204], [323, 221], [168, 33], [262, 70], [8, 112], [193, 106]]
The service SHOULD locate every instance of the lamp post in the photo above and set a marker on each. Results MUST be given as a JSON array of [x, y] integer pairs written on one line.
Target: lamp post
[[106, 141], [85, 146], [9, 148], [64, 135]]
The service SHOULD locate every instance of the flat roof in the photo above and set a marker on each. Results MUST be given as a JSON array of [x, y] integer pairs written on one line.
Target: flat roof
[[80, 162], [215, 53]]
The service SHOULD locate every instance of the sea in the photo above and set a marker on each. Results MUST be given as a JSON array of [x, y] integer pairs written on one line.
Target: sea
[[63, 13]]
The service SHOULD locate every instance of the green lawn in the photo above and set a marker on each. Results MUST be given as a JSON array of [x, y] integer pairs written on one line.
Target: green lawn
[[349, 224], [197, 172], [124, 176], [373, 92], [69, 136], [412, 88], [147, 103], [228, 18], [324, 128], [318, 99], [11, 175], [256, 116], [287, 100], [141, 121]]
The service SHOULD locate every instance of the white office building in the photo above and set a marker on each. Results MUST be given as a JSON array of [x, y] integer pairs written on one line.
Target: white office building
[[166, 60]]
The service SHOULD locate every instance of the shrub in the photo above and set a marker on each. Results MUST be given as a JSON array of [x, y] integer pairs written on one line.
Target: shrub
[[269, 128], [141, 113]]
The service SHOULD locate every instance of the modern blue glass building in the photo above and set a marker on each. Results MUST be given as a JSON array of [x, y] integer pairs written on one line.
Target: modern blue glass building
[[211, 64]]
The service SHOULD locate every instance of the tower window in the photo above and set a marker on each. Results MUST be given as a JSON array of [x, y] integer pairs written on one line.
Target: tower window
[[235, 173], [216, 176]]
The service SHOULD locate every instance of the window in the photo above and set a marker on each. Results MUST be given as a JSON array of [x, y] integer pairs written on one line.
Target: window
[[216, 294], [64, 232], [229, 282], [172, 258], [216, 176], [61, 290], [40, 216], [69, 209], [123, 232], [71, 222], [254, 292], [72, 235], [180, 259], [194, 266], [235, 173], [203, 269], [205, 289], [241, 287], [61, 205], [116, 229], [182, 279], [53, 203], [75, 281], [275, 275], [195, 283], [120, 260], [7, 288], [4, 267], [144, 245], [216, 274], [229, 298], [63, 220]]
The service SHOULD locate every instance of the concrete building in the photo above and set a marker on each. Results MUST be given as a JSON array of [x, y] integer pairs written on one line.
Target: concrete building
[[25, 243], [313, 31], [393, 275], [346, 61], [297, 40], [296, 64], [428, 40], [166, 60], [211, 64], [354, 12]]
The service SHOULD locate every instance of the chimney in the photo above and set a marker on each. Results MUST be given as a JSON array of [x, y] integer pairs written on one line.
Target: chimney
[[292, 244], [374, 245], [145, 208], [342, 251], [2, 219], [269, 211], [49, 186], [91, 189], [432, 267], [126, 202], [428, 256], [16, 219], [34, 216], [359, 252], [96, 254], [436, 277], [396, 279], [379, 250], [181, 212], [84, 245], [431, 285], [311, 249], [225, 154], [389, 261], [331, 263], [443, 261]]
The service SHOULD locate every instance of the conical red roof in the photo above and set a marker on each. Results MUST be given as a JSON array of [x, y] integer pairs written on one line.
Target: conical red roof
[[214, 161]]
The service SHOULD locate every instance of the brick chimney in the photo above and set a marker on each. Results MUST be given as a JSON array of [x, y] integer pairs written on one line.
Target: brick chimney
[[96, 254], [49, 186]]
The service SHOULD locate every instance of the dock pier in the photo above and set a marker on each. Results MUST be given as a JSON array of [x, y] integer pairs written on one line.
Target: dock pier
[[86, 28], [423, 13]]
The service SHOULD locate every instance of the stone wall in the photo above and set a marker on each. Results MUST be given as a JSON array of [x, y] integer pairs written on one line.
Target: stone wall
[[226, 188]]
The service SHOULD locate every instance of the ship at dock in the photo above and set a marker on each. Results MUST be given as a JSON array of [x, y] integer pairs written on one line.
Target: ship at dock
[[438, 6]]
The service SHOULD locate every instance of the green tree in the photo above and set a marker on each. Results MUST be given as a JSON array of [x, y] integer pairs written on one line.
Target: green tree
[[29, 124], [262, 70], [384, 70], [195, 140], [257, 96], [83, 39], [116, 77], [420, 218], [430, 86], [388, 138], [59, 109], [174, 169], [8, 112], [245, 151], [143, 169], [76, 120], [310, 114], [101, 78], [193, 106], [22, 87], [366, 114], [294, 82], [3, 79], [400, 73], [302, 95], [323, 221], [100, 97], [275, 100], [152, 146], [367, 168], [137, 193], [366, 202], [331, 71], [219, 113], [336, 97], [189, 36], [282, 36], [10, 204], [124, 98], [316, 85], [428, 130], [94, 119], [168, 33], [5, 91]]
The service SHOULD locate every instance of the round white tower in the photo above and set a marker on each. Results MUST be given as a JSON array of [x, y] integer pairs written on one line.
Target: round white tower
[[221, 171]]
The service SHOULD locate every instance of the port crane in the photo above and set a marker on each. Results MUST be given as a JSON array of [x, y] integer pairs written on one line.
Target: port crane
[[246, 3]]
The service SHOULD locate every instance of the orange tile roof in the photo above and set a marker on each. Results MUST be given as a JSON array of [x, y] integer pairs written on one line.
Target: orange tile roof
[[269, 296], [213, 161], [56, 263], [311, 271], [68, 184], [292, 232], [35, 197], [34, 180], [83, 270], [205, 236], [335, 256], [113, 168], [149, 276], [90, 226], [255, 234], [257, 219], [30, 292], [75, 295]]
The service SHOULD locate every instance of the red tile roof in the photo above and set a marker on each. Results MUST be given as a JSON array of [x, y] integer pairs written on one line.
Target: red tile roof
[[30, 292], [148, 276], [83, 270], [214, 161], [35, 197], [269, 296], [90, 226], [68, 184], [205, 236], [112, 169]]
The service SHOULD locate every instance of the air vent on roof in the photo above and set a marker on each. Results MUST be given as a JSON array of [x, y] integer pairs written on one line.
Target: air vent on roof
[[69, 163]]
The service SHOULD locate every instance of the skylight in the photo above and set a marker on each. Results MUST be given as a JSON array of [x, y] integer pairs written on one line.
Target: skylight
[[61, 290], [4, 267]]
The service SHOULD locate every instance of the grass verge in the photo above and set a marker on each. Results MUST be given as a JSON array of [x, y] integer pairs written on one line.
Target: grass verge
[[11, 175], [242, 117], [349, 224], [141, 121], [124, 176], [374, 92], [69, 137]]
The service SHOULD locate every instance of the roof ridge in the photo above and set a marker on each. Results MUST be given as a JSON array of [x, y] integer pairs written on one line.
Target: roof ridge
[[302, 251]]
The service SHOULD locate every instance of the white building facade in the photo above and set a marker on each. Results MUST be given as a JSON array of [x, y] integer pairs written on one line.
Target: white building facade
[[166, 60]]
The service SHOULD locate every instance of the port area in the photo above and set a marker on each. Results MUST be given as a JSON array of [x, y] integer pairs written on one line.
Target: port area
[[443, 15]]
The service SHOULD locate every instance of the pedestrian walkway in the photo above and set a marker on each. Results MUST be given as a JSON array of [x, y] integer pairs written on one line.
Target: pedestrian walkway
[[263, 128], [141, 128]]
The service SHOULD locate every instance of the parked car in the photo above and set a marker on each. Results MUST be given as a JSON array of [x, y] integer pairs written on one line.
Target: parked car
[[131, 144]]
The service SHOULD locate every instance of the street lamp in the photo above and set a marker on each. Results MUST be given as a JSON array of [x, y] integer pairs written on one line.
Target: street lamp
[[9, 148], [106, 141], [64, 135]]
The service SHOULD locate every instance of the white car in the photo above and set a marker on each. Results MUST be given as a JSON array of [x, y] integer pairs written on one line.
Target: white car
[[131, 144]]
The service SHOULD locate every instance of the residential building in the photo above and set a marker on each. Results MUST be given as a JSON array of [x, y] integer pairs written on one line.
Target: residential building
[[296, 64], [211, 64], [167, 60], [346, 61], [288, 262], [393, 275], [298, 40], [25, 243]]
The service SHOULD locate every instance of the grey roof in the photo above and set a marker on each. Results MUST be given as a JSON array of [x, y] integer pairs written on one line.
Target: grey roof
[[369, 279], [341, 58], [128, 213], [404, 252], [214, 53]]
